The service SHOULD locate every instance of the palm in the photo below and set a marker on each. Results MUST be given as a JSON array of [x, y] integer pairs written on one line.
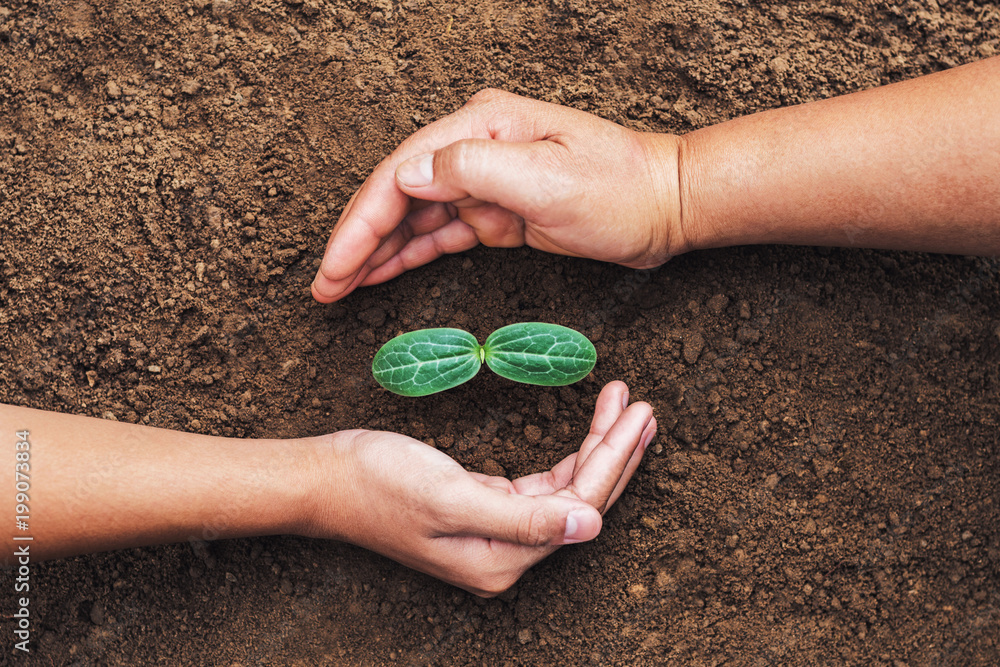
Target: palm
[[420, 507]]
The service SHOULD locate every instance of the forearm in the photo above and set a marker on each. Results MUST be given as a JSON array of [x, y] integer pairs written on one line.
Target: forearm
[[913, 166], [98, 485]]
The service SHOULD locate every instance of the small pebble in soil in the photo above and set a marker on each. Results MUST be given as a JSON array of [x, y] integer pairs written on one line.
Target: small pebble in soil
[[494, 469], [694, 343], [678, 465], [717, 304], [778, 65], [747, 334], [97, 614], [637, 591]]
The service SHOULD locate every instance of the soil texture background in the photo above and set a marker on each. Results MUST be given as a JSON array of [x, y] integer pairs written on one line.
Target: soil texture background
[[825, 487]]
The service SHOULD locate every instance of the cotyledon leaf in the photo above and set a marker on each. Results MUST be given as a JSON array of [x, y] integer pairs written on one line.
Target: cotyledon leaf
[[425, 362], [540, 353]]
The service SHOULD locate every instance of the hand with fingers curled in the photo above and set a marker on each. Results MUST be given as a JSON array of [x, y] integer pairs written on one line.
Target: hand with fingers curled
[[416, 505], [509, 171], [873, 168], [383, 491]]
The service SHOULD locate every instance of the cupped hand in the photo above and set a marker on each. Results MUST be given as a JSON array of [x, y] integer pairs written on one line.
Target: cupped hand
[[414, 504], [508, 171]]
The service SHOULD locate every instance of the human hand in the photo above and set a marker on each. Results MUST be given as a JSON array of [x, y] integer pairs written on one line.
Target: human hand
[[416, 505], [507, 171]]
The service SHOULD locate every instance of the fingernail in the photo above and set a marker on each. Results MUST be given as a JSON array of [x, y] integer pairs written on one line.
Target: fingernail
[[417, 171], [646, 439], [327, 287], [321, 285], [572, 527], [625, 399]]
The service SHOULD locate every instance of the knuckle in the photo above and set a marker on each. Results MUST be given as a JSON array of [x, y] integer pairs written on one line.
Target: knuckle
[[493, 584], [555, 184], [461, 157], [550, 191], [487, 96], [445, 508], [534, 527], [507, 234], [456, 163]]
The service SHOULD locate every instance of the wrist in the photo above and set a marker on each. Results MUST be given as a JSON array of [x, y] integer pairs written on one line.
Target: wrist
[[328, 477], [268, 488], [664, 161]]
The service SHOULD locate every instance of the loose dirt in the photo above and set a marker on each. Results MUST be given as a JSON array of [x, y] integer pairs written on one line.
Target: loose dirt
[[825, 488]]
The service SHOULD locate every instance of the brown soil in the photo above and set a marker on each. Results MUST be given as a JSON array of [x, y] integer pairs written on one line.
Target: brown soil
[[826, 485]]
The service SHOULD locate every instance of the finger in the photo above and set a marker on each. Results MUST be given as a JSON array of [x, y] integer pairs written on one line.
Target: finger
[[343, 214], [561, 475], [633, 464], [430, 216], [599, 475], [494, 482], [487, 224], [424, 220], [334, 278], [454, 237], [495, 226], [420, 204], [548, 481], [522, 177], [378, 207], [532, 521], [390, 245], [611, 402]]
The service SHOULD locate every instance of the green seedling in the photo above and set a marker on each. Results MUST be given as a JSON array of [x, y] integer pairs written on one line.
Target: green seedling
[[427, 361]]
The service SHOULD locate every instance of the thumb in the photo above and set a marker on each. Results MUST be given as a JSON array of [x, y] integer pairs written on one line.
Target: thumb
[[525, 178], [532, 521]]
